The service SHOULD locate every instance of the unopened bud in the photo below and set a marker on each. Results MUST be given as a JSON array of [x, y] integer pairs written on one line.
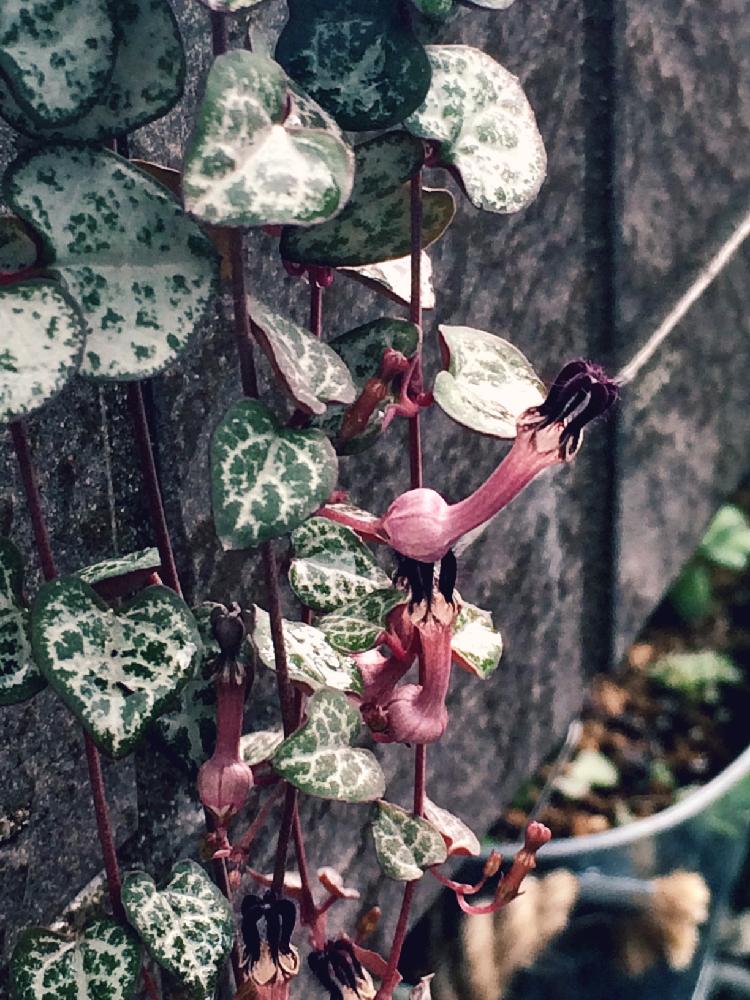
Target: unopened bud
[[223, 786], [536, 836]]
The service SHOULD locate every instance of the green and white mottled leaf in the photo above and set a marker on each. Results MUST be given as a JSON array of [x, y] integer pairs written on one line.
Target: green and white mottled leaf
[[261, 745], [356, 627], [20, 678], [187, 926], [405, 844], [312, 660], [488, 383], [459, 839], [331, 566], [147, 79], [311, 372], [266, 479], [479, 113], [375, 224], [41, 344], [438, 9], [319, 760], [102, 962], [359, 60], [56, 57], [263, 153], [116, 672], [476, 644], [143, 560], [142, 272], [17, 249], [392, 278]]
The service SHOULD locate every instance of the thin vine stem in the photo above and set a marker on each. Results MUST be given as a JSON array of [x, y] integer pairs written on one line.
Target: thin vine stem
[[33, 498], [104, 828], [316, 308], [308, 902]]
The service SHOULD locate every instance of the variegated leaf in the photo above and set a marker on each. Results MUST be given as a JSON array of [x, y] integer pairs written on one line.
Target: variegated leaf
[[488, 382], [254, 160], [476, 644], [123, 574], [266, 479], [103, 961], [56, 57], [331, 566], [459, 839], [312, 661], [19, 676], [438, 9], [319, 760], [375, 224], [261, 745], [392, 278], [479, 113], [141, 270], [17, 249], [357, 626], [147, 79], [311, 372], [405, 844], [230, 6], [187, 926], [360, 61], [115, 672], [41, 343]]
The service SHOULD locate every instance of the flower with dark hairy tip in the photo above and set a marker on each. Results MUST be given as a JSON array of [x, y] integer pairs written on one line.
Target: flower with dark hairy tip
[[230, 630], [271, 958], [339, 971], [581, 392]]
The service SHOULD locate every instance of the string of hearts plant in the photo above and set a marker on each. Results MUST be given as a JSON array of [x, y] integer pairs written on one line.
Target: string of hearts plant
[[109, 269]]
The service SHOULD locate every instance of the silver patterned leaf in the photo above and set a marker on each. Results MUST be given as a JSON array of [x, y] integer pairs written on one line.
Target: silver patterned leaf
[[486, 128], [19, 675], [311, 372], [312, 661], [141, 271], [143, 560], [476, 644], [266, 479], [116, 672], [147, 79], [392, 278], [375, 224], [331, 566], [41, 344], [263, 153], [187, 926], [260, 746], [405, 844], [357, 626], [56, 57], [319, 760], [488, 382], [103, 961]]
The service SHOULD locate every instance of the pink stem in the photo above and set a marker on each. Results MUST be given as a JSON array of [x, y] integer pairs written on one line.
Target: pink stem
[[33, 498], [391, 976], [104, 828], [415, 315], [243, 845]]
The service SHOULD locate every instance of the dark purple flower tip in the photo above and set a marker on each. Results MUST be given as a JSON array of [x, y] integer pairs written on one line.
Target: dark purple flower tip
[[228, 629], [581, 392], [336, 968], [280, 916]]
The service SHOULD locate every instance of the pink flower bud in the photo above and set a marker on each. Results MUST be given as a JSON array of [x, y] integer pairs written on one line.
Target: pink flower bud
[[224, 785], [417, 525]]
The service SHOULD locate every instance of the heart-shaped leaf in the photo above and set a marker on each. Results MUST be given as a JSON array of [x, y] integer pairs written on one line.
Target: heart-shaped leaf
[[477, 646], [43, 337], [260, 746], [113, 578], [488, 383], [360, 60], [56, 58], [17, 248], [187, 926], [357, 626], [266, 479], [147, 79], [19, 676], [479, 113], [142, 272], [405, 844], [103, 961], [375, 224], [331, 566], [312, 661], [255, 160], [311, 372], [319, 760], [459, 839], [392, 278], [115, 672], [437, 9]]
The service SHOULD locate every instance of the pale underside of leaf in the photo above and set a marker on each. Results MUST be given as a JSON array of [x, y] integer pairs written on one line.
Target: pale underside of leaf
[[479, 113], [19, 675], [312, 661], [476, 644], [488, 384], [405, 844], [142, 272], [393, 279], [459, 839], [41, 343], [266, 479]]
